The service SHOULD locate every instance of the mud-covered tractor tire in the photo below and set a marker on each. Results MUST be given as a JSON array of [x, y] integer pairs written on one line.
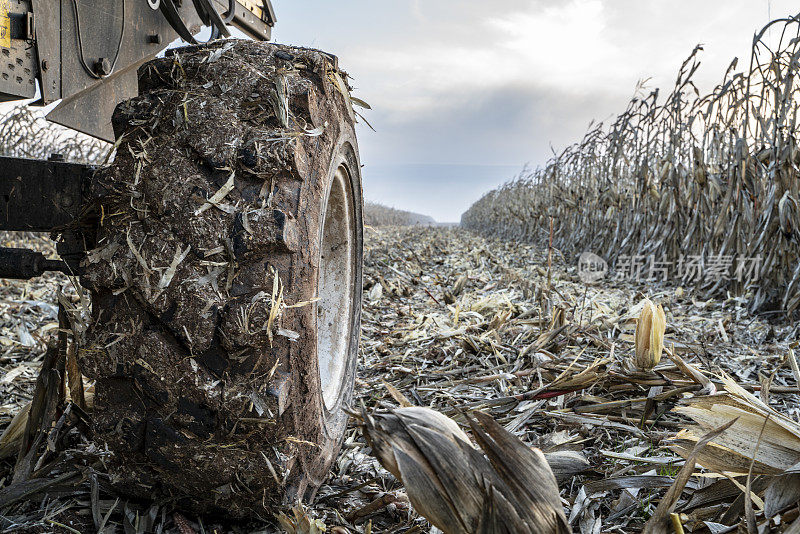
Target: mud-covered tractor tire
[[226, 278]]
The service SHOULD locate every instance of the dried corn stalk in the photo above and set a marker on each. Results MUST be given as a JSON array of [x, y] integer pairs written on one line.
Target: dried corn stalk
[[11, 439], [682, 176], [649, 339], [25, 133]]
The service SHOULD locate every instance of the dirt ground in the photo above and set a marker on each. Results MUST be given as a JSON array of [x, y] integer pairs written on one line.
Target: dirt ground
[[457, 322]]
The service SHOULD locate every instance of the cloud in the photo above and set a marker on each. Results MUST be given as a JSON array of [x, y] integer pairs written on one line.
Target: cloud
[[473, 83], [558, 47], [508, 125], [448, 56]]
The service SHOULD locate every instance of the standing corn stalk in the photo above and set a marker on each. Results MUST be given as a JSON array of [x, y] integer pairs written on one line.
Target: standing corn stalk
[[690, 175]]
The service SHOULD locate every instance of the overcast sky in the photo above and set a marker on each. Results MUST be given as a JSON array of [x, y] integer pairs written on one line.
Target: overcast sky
[[464, 93]]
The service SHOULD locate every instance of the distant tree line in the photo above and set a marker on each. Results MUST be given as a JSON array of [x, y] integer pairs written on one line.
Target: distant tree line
[[379, 215]]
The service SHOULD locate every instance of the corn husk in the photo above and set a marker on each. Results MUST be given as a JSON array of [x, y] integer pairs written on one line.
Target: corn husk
[[649, 339], [454, 485]]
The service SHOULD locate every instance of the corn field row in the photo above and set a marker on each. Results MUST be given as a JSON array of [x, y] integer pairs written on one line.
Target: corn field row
[[686, 178]]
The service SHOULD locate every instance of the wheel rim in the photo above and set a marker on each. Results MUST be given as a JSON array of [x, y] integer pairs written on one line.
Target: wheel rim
[[335, 304]]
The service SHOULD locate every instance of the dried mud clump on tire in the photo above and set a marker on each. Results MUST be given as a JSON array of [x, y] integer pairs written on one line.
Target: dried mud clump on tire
[[201, 224]]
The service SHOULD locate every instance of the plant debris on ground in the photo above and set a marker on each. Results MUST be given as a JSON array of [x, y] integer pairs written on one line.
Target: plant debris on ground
[[458, 323]]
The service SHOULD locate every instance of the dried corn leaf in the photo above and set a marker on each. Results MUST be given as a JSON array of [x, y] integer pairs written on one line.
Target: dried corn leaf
[[454, 485], [779, 447]]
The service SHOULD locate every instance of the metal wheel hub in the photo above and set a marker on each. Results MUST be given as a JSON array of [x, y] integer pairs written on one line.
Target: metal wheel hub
[[336, 278]]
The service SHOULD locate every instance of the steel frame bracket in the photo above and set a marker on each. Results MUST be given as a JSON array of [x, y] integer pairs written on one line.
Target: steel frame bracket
[[41, 196]]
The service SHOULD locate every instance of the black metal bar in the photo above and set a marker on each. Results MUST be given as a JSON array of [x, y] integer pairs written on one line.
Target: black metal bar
[[41, 196], [21, 263]]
